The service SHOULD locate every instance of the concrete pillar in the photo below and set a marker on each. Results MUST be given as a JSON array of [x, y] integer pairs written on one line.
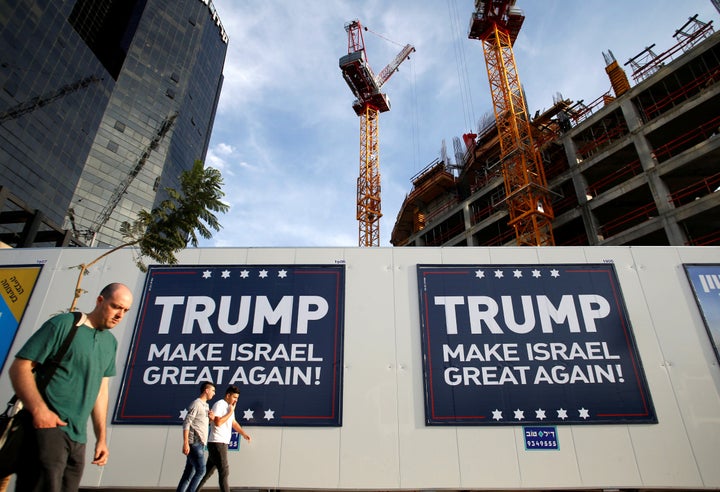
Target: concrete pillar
[[658, 189], [592, 228], [469, 238]]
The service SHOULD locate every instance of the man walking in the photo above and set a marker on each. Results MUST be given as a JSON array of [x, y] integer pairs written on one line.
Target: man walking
[[195, 436], [222, 425], [55, 457]]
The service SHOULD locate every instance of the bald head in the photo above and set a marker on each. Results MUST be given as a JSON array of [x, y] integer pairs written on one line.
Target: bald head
[[110, 306]]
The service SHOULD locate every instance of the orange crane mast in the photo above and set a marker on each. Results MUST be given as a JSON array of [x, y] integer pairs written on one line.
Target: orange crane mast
[[369, 103], [496, 23]]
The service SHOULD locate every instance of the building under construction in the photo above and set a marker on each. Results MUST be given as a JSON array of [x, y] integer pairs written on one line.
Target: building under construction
[[637, 166]]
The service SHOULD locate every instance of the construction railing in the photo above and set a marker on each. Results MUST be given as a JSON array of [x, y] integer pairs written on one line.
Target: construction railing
[[609, 180], [696, 190], [500, 239], [432, 239], [709, 239], [555, 168], [482, 214], [580, 111], [630, 219], [579, 240], [564, 204], [687, 90], [686, 140], [440, 210], [608, 137]]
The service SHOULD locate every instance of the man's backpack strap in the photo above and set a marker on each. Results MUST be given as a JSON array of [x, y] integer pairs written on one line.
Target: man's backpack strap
[[80, 318], [51, 365]]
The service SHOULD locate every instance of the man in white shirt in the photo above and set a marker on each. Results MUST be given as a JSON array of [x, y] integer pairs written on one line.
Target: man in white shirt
[[221, 426]]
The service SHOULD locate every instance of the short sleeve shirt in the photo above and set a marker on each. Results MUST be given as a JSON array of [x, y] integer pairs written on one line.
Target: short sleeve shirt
[[74, 387], [221, 433]]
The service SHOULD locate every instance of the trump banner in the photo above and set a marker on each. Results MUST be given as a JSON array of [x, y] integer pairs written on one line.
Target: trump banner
[[528, 344], [274, 331], [705, 282]]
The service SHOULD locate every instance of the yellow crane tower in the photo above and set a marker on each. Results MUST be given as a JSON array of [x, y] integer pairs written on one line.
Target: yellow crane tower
[[369, 104], [496, 23]]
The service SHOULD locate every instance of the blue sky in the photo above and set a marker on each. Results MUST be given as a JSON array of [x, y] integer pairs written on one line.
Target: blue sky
[[286, 138]]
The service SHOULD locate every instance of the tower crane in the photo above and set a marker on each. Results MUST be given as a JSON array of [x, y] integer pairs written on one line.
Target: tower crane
[[496, 23], [369, 103]]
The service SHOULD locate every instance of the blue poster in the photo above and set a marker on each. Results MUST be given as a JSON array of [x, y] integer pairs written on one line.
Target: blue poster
[[274, 331], [528, 344], [705, 281]]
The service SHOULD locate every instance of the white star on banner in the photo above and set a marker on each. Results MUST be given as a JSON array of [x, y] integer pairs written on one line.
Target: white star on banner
[[269, 414], [519, 414], [282, 274], [540, 414], [248, 414], [584, 414], [497, 414], [244, 274], [226, 274], [517, 274], [498, 273], [479, 273], [263, 273], [183, 413], [536, 273], [207, 274], [562, 414], [554, 273]]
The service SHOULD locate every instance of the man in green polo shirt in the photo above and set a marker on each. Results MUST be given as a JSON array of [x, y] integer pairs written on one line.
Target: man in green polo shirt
[[78, 390]]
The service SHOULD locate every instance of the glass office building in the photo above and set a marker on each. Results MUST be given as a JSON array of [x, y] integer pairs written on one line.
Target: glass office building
[[103, 103]]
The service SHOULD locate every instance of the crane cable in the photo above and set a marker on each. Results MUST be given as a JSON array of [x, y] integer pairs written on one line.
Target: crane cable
[[462, 66], [382, 36], [415, 118], [413, 103]]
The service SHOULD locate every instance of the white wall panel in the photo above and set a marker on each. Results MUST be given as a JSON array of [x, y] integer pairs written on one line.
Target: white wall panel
[[369, 330], [257, 461], [489, 455], [605, 456], [383, 443], [309, 461]]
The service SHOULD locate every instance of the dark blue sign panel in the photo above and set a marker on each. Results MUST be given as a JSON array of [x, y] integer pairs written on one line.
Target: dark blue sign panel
[[275, 331], [705, 281], [524, 344], [539, 438], [234, 444]]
